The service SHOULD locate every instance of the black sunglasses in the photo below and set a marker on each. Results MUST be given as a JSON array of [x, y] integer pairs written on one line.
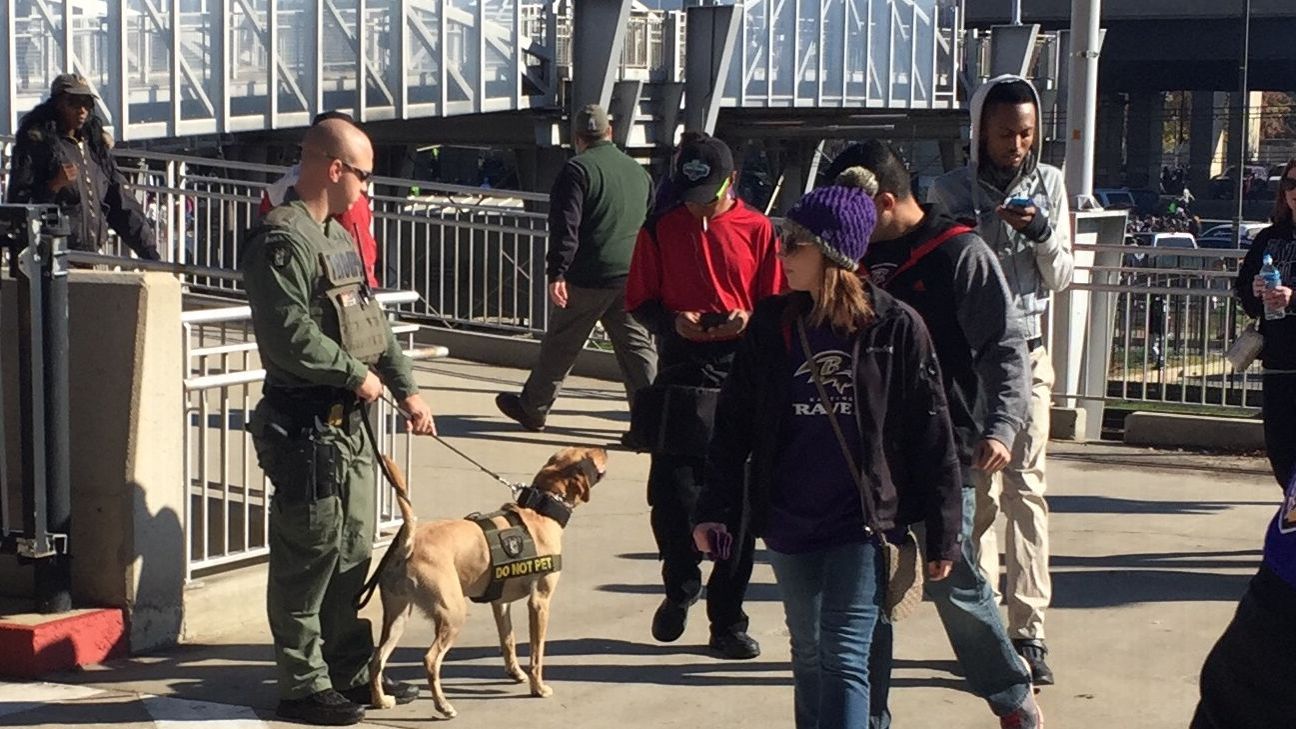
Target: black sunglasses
[[362, 175]]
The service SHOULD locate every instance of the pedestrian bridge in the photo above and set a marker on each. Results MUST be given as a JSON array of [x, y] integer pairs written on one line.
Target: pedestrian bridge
[[178, 68]]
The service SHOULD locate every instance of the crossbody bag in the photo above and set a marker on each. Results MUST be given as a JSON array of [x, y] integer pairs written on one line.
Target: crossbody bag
[[903, 560]]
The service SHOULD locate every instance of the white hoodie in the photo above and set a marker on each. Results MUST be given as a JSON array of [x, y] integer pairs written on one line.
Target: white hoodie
[[1032, 268]]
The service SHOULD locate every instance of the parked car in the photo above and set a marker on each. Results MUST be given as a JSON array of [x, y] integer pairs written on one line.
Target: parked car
[[1221, 236], [1254, 185], [1165, 253]]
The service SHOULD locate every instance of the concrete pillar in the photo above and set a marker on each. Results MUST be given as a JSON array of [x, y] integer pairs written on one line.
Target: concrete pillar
[[125, 362], [1144, 139], [1204, 137], [1111, 130]]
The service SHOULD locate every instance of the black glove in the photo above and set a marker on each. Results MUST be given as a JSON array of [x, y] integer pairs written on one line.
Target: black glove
[[1039, 228]]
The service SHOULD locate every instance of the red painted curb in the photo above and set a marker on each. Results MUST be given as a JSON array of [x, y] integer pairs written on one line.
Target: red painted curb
[[46, 644]]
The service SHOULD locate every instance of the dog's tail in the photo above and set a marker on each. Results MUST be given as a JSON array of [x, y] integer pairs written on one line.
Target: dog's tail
[[402, 493]]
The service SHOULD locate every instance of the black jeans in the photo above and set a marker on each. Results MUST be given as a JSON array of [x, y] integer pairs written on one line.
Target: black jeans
[[1246, 682], [674, 482], [673, 486], [1280, 425]]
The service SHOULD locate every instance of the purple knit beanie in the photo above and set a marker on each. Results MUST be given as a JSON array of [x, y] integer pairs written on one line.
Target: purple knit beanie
[[837, 219]]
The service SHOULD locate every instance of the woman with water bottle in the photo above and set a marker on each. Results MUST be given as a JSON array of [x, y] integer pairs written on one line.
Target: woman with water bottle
[[1264, 286]]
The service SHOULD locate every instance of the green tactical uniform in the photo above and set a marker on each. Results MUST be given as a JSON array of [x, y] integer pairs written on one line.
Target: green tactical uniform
[[318, 332]]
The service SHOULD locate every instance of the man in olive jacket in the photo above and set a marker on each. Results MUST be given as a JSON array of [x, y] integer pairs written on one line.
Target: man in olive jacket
[[327, 349], [596, 208]]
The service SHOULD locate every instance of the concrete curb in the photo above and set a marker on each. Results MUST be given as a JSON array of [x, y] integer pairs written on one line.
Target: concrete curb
[[1193, 431]]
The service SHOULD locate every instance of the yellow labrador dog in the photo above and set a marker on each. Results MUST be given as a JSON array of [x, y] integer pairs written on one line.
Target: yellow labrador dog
[[445, 563]]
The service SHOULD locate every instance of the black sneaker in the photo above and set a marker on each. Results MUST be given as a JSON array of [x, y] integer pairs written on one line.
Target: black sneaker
[[325, 708], [511, 406], [632, 442], [670, 619], [399, 690], [1034, 652], [735, 645]]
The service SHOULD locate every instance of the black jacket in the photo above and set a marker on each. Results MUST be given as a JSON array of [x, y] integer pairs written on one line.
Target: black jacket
[[908, 455], [96, 201], [960, 292], [1278, 241]]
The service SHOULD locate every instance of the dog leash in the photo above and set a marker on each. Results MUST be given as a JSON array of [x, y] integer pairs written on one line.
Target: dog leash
[[512, 486]]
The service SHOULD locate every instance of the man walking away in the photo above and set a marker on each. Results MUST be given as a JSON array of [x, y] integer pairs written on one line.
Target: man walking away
[[1019, 207], [596, 208], [948, 275]]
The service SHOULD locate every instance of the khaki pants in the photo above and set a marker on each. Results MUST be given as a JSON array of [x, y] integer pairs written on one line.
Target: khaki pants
[[1018, 492]]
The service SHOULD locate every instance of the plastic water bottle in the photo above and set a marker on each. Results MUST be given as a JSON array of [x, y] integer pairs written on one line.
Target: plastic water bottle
[[1272, 279]]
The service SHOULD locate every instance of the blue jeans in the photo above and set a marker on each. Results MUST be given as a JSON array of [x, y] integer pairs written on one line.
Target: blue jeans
[[967, 607], [832, 599]]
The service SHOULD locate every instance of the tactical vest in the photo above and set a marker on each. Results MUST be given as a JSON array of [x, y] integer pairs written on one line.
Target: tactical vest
[[362, 327], [512, 551]]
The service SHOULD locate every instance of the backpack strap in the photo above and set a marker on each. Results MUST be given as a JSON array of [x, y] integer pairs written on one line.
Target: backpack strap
[[922, 251]]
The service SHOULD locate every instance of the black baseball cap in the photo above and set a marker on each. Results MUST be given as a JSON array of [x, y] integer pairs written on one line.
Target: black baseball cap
[[702, 170]]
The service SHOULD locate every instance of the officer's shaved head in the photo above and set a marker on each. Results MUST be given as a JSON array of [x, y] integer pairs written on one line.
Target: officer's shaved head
[[337, 160]]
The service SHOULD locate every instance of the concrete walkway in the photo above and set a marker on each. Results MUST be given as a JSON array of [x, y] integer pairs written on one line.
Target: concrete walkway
[[1151, 551]]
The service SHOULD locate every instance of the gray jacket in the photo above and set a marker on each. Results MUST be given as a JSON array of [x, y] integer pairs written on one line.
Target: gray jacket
[[1035, 266]]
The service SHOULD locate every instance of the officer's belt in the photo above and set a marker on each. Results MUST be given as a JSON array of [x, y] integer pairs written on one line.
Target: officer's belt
[[512, 551], [331, 405]]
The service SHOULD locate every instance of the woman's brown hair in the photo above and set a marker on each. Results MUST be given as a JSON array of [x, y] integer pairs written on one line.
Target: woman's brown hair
[[1282, 212], [843, 302]]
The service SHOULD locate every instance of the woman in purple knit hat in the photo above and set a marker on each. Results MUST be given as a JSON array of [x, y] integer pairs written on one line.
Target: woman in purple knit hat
[[836, 399]]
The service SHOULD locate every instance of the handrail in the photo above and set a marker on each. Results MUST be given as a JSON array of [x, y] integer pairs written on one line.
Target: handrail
[[227, 314]]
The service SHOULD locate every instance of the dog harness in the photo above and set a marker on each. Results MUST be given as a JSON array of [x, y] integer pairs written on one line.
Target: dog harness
[[512, 548]]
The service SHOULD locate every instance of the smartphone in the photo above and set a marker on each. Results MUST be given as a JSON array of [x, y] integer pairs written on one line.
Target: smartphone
[[713, 319], [1019, 202]]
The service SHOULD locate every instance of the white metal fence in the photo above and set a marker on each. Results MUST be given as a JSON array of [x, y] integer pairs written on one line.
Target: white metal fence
[[1175, 317], [226, 519]]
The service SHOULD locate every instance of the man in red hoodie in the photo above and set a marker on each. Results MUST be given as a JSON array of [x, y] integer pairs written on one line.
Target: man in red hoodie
[[696, 275], [358, 221]]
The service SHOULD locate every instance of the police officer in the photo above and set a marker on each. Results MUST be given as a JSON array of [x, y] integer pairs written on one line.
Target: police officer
[[327, 349]]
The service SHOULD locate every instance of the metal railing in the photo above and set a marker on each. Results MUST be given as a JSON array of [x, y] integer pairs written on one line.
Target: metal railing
[[1174, 318], [474, 255], [226, 519]]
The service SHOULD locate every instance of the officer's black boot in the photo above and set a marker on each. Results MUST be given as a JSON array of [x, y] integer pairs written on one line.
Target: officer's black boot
[[326, 708]]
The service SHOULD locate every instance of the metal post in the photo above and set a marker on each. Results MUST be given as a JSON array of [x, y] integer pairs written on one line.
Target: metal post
[[1082, 99], [1244, 105], [53, 575], [1016, 12], [41, 273]]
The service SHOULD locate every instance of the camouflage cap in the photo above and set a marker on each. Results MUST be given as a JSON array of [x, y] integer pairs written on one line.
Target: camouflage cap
[[71, 83]]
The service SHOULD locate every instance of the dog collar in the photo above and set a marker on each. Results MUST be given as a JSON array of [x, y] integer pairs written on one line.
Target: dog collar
[[544, 503]]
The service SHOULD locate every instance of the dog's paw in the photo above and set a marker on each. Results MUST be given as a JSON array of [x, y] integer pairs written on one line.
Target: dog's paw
[[517, 674], [542, 691], [385, 702], [446, 709]]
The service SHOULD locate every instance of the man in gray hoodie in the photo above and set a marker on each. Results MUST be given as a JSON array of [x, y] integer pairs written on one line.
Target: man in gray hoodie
[[1019, 207]]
